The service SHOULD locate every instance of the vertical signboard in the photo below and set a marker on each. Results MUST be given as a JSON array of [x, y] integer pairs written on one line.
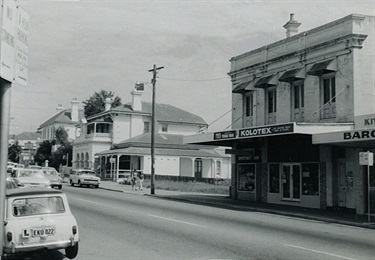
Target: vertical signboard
[[7, 48], [22, 47]]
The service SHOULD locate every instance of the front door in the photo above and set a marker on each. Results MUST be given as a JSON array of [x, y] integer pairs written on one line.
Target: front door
[[341, 184], [198, 168], [291, 180]]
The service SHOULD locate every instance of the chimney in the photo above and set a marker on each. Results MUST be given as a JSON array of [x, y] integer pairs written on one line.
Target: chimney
[[74, 115], [136, 96], [291, 26], [107, 104], [59, 108]]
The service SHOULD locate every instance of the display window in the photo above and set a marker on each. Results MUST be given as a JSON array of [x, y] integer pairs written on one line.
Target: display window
[[246, 177]]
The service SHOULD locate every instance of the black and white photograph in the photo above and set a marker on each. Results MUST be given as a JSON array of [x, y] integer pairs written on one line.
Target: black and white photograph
[[187, 129]]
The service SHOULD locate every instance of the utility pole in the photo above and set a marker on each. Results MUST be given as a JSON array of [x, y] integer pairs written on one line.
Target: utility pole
[[153, 81]]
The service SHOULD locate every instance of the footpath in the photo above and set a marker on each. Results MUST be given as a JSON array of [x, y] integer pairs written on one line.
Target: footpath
[[223, 201]]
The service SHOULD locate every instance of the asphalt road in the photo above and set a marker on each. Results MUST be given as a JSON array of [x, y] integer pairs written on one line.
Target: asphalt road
[[115, 225]]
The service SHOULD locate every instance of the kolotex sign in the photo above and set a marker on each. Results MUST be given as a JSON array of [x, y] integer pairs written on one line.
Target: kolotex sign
[[266, 130], [255, 131]]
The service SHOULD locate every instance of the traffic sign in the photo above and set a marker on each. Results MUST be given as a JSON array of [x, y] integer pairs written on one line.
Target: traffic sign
[[366, 158]]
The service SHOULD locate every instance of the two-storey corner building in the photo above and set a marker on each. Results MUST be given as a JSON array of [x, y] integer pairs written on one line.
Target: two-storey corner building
[[303, 114], [117, 141], [66, 118]]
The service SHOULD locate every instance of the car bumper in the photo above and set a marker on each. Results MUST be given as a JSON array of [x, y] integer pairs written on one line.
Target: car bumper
[[15, 249]]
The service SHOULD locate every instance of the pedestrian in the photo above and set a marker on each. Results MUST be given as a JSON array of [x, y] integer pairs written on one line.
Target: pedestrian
[[141, 178], [134, 179]]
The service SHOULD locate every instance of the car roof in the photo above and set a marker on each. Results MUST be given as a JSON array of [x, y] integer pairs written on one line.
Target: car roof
[[82, 170], [31, 191]]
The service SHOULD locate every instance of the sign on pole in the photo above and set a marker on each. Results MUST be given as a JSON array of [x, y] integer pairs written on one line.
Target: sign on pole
[[8, 43], [22, 47], [366, 158]]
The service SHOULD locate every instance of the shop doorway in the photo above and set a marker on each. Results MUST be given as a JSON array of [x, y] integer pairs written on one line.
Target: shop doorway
[[341, 179], [291, 181]]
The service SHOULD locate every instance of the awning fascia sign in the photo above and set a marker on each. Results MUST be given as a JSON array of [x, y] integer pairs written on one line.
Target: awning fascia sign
[[266, 130], [358, 135]]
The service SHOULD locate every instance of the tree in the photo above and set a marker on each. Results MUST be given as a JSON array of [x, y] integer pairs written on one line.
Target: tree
[[96, 103], [61, 136], [14, 152], [43, 152]]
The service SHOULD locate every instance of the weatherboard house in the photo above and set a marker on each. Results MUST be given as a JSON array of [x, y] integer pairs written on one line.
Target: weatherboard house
[[304, 118], [118, 140]]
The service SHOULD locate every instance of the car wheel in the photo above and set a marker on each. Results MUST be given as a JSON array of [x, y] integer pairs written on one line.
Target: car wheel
[[96, 186], [72, 251], [60, 186], [71, 182], [79, 183]]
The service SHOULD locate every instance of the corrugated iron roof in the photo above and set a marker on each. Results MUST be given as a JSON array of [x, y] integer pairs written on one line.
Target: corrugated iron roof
[[64, 117], [164, 113]]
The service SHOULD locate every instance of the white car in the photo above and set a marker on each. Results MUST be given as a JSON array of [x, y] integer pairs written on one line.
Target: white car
[[30, 178], [38, 220], [83, 177], [53, 176]]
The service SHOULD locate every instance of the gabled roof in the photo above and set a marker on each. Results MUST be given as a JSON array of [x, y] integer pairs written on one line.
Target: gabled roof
[[63, 117], [26, 136], [163, 113]]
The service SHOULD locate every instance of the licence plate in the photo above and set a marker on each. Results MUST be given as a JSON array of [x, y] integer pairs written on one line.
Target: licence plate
[[42, 232]]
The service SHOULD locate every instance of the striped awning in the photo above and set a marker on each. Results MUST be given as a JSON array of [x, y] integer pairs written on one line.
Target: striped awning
[[293, 74], [240, 88], [323, 67], [267, 81]]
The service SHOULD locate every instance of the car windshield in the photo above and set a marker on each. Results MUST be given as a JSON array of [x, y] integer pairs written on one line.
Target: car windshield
[[50, 172], [37, 206], [31, 173], [88, 173]]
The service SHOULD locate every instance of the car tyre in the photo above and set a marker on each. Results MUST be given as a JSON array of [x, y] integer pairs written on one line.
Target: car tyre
[[71, 182], [72, 251], [96, 186], [60, 186], [79, 183]]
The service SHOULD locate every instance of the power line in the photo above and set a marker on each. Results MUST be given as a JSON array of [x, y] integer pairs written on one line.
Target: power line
[[214, 79], [220, 117]]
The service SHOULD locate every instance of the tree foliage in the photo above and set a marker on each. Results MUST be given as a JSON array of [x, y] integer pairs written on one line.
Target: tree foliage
[[14, 152], [96, 103], [43, 152], [61, 136], [58, 156]]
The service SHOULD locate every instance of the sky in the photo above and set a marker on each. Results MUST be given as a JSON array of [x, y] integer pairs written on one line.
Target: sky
[[79, 47]]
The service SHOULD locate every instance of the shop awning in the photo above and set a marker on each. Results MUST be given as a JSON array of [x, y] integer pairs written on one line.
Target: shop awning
[[364, 138], [323, 67], [293, 74], [240, 88], [142, 151], [226, 138], [267, 81]]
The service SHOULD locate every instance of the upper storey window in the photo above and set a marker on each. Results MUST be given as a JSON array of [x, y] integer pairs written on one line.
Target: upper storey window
[[269, 84], [326, 71], [249, 109]]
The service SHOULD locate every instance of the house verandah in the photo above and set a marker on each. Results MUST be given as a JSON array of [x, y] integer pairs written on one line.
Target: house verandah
[[173, 160]]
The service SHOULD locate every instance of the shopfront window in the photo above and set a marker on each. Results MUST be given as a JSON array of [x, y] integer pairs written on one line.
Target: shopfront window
[[274, 178], [310, 179], [246, 177]]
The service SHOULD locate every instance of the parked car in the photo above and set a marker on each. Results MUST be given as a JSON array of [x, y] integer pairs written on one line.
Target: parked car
[[53, 176], [10, 166], [38, 220], [11, 183], [30, 178], [35, 167], [83, 177]]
